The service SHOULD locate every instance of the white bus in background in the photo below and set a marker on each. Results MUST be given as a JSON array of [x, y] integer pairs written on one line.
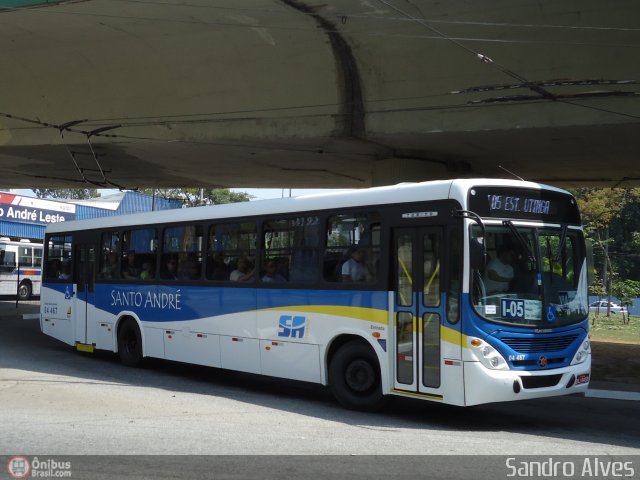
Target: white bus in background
[[20, 267]]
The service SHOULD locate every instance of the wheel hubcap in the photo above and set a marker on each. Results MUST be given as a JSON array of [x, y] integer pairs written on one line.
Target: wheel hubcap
[[360, 376]]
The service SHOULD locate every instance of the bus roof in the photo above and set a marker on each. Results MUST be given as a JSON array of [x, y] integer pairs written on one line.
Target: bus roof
[[401, 193]]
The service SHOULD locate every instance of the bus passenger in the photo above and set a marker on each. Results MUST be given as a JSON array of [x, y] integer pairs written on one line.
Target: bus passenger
[[242, 273], [191, 272], [216, 268], [282, 267], [354, 269], [110, 270], [169, 272], [271, 274], [54, 268], [130, 269], [66, 270], [500, 270], [147, 271]]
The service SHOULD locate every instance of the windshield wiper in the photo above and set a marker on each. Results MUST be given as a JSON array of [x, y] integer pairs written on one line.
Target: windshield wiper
[[523, 242]]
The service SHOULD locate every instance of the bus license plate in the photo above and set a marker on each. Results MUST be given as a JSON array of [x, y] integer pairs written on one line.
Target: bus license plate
[[584, 378], [512, 308]]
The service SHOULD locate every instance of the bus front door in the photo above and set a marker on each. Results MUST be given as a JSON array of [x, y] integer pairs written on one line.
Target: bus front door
[[418, 310], [84, 276]]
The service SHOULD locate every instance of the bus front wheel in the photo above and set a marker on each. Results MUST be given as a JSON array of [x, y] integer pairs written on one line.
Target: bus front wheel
[[130, 344], [354, 377], [24, 291]]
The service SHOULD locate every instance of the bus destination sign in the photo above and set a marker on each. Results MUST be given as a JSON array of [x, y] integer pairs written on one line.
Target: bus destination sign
[[528, 204], [507, 203]]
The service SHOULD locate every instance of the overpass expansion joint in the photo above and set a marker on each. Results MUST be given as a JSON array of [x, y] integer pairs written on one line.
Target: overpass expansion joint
[[349, 82]]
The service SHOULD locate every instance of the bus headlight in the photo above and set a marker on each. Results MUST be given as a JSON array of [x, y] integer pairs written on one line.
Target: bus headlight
[[488, 355], [582, 353]]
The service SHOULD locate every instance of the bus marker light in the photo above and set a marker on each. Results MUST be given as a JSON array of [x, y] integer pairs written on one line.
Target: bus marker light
[[376, 334], [583, 378], [476, 343], [84, 347], [267, 348]]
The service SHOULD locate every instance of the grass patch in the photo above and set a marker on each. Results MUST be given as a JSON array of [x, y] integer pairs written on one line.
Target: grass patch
[[605, 328]]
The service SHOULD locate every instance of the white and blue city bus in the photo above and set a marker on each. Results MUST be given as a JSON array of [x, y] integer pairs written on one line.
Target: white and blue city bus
[[20, 267], [376, 292]]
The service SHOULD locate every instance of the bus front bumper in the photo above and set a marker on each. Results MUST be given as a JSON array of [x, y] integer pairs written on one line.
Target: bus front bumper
[[486, 386]]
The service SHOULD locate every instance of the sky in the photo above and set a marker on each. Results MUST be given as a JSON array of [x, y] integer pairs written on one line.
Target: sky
[[265, 193], [256, 193]]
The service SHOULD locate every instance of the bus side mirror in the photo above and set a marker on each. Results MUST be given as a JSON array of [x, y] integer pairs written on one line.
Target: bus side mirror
[[477, 254]]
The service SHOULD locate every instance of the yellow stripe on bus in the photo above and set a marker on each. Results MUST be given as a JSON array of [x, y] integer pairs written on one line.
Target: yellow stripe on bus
[[416, 394], [361, 313]]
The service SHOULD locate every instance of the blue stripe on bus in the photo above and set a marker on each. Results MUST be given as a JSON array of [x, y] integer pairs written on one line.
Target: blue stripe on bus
[[179, 303]]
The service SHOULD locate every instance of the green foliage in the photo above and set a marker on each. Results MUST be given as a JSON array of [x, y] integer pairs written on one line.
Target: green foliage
[[66, 193], [626, 291], [611, 217], [194, 197], [597, 288]]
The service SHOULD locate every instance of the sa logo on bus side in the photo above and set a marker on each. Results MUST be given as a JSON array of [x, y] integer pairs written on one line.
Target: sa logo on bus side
[[291, 326]]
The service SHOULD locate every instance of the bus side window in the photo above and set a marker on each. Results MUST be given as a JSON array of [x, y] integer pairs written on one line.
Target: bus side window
[[182, 245], [139, 246], [227, 244], [353, 248], [109, 256], [25, 256], [37, 257], [58, 249], [291, 250]]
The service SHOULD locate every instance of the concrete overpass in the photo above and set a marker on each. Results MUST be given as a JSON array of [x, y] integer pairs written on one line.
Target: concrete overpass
[[339, 93]]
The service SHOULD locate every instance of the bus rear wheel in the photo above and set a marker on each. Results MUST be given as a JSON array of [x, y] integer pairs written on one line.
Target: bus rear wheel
[[354, 377], [130, 344], [24, 291]]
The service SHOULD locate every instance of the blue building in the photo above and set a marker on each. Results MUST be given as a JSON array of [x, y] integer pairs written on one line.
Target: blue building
[[24, 217]]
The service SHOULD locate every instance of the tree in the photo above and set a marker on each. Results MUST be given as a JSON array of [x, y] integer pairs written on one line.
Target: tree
[[194, 197], [602, 210], [66, 193], [626, 291]]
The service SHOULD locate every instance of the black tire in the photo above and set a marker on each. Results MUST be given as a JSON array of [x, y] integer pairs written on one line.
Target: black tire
[[130, 344], [24, 291], [354, 377]]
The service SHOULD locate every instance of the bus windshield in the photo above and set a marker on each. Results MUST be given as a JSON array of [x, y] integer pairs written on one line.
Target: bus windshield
[[533, 276]]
